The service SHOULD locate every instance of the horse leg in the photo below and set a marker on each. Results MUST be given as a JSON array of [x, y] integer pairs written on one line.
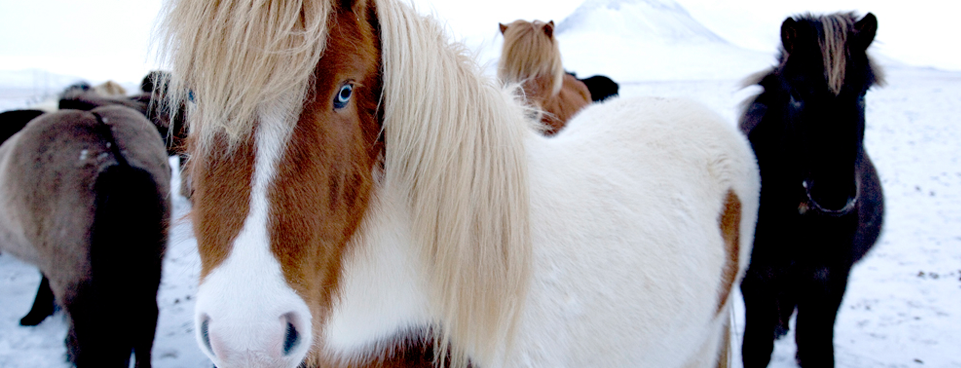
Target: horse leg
[[144, 335], [761, 319], [786, 303], [817, 312], [43, 305]]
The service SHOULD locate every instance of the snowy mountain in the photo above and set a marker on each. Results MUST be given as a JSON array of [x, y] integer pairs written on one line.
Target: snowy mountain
[[659, 20], [648, 40]]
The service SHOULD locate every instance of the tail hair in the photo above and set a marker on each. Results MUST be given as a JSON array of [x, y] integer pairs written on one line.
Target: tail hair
[[115, 309]]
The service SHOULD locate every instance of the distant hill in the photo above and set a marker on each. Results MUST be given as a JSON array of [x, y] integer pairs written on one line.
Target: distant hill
[[655, 20], [659, 37]]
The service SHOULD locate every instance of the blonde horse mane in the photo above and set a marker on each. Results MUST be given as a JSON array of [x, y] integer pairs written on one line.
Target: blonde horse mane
[[455, 148], [530, 53], [234, 57]]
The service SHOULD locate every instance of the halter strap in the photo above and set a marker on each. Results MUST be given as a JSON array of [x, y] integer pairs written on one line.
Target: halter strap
[[811, 204]]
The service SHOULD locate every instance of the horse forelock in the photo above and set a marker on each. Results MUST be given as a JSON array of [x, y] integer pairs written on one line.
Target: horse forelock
[[834, 33], [833, 42], [455, 151], [230, 58], [529, 54]]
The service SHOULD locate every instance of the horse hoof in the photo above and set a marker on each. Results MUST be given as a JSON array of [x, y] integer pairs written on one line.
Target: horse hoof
[[32, 319]]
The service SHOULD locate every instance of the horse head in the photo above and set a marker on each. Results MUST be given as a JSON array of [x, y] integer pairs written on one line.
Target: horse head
[[823, 76], [531, 57], [307, 122]]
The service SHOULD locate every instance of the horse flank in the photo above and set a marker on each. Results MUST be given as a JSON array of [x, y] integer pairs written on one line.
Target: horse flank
[[539, 57], [472, 218], [274, 46]]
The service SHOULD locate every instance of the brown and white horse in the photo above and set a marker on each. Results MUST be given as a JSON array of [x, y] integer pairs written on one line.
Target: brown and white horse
[[532, 58], [364, 196]]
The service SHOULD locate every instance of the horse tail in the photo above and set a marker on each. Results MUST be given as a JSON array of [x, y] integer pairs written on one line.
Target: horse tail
[[118, 313]]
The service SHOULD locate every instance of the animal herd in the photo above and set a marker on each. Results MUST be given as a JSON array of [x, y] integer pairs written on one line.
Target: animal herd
[[363, 196]]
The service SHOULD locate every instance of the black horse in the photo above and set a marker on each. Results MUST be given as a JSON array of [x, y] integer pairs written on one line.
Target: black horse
[[600, 86], [821, 201]]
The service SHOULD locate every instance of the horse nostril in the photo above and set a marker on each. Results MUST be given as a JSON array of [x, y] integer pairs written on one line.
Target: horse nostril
[[205, 333], [291, 337]]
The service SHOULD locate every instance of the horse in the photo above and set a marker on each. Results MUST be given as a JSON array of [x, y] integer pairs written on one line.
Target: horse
[[821, 200], [365, 196], [531, 58], [110, 89], [13, 121], [84, 197], [601, 87]]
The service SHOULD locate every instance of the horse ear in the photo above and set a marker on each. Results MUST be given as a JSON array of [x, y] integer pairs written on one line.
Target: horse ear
[[503, 27], [865, 30], [789, 34], [549, 29]]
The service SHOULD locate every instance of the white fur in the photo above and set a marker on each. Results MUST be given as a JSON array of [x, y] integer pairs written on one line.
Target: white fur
[[246, 297], [383, 293]]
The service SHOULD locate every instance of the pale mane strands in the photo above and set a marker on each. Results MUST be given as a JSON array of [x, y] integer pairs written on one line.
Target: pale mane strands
[[235, 56], [529, 53], [833, 43], [455, 147]]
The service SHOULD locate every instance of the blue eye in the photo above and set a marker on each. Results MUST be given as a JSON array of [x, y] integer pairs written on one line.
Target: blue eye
[[343, 96]]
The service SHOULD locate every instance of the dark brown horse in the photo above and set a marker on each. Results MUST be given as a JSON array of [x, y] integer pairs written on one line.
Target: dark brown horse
[[85, 199], [821, 200]]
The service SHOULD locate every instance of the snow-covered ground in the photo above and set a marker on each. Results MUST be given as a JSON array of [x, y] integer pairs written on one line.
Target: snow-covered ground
[[903, 304]]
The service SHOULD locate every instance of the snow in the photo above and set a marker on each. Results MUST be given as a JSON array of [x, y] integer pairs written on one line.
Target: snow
[[902, 304]]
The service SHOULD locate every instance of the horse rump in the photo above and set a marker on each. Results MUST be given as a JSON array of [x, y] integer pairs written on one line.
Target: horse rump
[[114, 311]]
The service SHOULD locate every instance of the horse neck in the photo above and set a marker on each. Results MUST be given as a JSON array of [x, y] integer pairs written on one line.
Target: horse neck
[[539, 88]]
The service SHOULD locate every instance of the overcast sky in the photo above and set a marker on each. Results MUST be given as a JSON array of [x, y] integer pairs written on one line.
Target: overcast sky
[[111, 39]]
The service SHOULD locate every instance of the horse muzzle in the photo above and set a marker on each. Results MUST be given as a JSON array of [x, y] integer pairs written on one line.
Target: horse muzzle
[[257, 322]]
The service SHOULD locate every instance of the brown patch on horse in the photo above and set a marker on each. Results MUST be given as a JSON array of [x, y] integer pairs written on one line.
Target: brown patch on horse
[[325, 180], [224, 181], [730, 223], [561, 107], [724, 357]]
